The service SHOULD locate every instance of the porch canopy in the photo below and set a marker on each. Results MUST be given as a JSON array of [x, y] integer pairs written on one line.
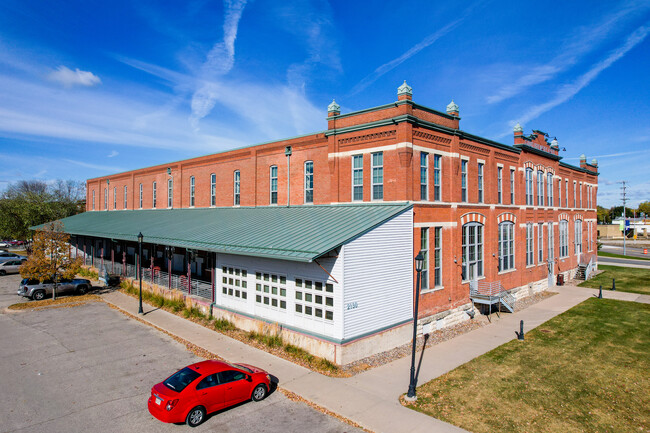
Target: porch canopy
[[297, 233]]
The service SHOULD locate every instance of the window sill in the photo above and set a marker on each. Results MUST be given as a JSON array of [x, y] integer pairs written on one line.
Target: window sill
[[467, 281], [432, 290], [530, 266], [507, 272]]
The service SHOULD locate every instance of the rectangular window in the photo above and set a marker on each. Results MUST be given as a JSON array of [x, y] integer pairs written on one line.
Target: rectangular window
[[540, 242], [506, 246], [549, 189], [566, 192], [559, 192], [125, 202], [170, 193], [140, 196], [512, 186], [378, 176], [480, 182], [424, 249], [551, 242], [472, 251], [574, 194], [499, 185], [192, 190], [314, 299], [578, 236], [105, 198], [581, 196], [93, 199], [273, 184], [564, 238], [529, 186], [357, 177], [463, 181], [529, 245], [234, 282], [540, 188], [438, 257], [271, 290], [236, 180], [154, 195], [424, 176], [114, 198], [436, 177], [213, 189], [309, 182]]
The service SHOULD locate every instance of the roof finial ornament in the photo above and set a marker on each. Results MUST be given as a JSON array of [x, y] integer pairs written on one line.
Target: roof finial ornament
[[518, 129], [334, 108], [452, 107], [404, 89]]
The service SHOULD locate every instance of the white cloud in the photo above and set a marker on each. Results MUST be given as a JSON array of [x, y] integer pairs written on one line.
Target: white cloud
[[102, 168], [70, 78], [113, 153], [577, 45]]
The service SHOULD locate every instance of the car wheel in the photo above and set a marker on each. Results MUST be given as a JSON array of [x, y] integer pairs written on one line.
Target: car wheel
[[38, 295], [82, 290], [3, 272], [196, 416], [259, 392]]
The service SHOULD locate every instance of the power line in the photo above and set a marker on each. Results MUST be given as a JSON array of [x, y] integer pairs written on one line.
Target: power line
[[624, 194]]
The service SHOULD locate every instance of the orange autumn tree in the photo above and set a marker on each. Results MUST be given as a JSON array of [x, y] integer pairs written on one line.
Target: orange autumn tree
[[50, 258]]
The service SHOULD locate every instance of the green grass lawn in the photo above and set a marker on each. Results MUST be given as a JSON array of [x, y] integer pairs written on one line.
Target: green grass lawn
[[621, 256], [634, 280], [585, 370]]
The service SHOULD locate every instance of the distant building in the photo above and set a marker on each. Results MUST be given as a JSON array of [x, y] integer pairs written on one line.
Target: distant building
[[317, 233]]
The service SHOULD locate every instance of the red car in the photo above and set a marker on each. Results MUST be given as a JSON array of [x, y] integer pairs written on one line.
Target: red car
[[205, 387]]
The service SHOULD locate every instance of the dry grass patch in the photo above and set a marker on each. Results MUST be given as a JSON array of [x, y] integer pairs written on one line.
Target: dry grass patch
[[585, 370], [66, 301]]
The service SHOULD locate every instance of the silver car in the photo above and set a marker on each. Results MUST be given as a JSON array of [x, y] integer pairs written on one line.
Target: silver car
[[6, 256], [36, 290], [10, 267]]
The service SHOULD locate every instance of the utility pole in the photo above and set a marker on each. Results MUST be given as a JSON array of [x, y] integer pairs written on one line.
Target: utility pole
[[624, 182]]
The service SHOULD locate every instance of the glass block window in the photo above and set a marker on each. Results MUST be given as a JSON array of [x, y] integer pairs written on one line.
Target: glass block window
[[106, 199], [271, 290], [233, 282], [314, 299], [93, 199], [357, 177]]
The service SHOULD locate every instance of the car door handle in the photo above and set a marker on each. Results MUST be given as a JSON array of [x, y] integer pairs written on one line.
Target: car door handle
[[205, 393]]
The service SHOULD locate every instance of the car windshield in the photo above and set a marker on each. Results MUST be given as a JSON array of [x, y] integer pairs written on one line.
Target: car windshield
[[179, 380], [241, 367]]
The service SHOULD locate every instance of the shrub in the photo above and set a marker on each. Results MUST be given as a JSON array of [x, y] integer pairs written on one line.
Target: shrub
[[88, 273], [223, 325]]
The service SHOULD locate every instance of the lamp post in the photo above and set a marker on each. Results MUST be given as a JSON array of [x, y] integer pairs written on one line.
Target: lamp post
[[140, 270], [419, 264]]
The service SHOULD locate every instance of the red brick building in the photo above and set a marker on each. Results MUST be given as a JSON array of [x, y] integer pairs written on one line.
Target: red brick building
[[513, 214]]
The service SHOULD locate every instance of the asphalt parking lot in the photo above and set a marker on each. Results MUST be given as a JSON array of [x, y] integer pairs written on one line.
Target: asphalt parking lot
[[90, 369]]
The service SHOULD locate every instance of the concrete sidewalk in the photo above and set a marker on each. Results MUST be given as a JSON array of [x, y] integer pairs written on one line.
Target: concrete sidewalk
[[371, 398]]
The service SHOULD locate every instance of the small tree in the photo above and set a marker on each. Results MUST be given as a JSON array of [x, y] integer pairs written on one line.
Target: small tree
[[50, 258]]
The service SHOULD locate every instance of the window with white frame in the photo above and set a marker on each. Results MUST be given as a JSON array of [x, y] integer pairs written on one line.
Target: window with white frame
[[472, 251], [357, 177], [540, 242], [566, 192], [192, 190], [93, 199], [424, 249], [234, 282], [235, 182], [589, 232], [437, 257], [170, 193], [578, 236], [154, 195], [309, 181], [424, 176], [549, 189], [499, 185], [551, 242], [271, 290], [105, 198], [114, 198], [575, 199], [530, 260], [436, 177], [581, 196], [512, 186], [540, 188], [559, 192], [125, 201], [529, 186], [140, 201], [213, 189], [314, 299], [273, 184], [378, 176], [506, 246], [564, 238], [463, 180], [480, 182]]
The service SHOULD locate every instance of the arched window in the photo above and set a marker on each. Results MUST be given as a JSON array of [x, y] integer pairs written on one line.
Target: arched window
[[540, 188], [506, 246], [192, 183], [236, 181], [529, 186], [472, 243], [578, 236], [213, 189], [564, 238]]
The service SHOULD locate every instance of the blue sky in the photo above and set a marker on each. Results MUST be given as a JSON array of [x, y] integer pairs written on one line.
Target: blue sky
[[92, 88]]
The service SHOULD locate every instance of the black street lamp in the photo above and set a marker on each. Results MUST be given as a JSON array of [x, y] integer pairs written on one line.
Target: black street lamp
[[140, 269], [419, 264]]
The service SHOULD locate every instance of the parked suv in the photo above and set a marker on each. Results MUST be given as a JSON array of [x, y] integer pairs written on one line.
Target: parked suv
[[36, 290], [10, 267], [6, 256]]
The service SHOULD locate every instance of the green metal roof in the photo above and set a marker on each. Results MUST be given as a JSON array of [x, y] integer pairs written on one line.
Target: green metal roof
[[298, 233]]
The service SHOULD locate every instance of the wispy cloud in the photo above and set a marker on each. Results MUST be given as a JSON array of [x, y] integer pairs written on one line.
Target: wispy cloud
[[69, 78], [113, 154], [579, 44], [219, 62], [568, 91], [103, 168]]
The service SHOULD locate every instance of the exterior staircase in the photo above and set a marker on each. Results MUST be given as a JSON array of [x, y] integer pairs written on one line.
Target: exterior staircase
[[581, 272], [491, 293]]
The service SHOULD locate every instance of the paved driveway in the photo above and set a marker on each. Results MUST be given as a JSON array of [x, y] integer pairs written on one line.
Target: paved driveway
[[90, 369]]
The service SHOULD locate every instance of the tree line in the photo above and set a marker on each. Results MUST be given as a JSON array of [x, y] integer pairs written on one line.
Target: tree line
[[605, 216], [28, 203]]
